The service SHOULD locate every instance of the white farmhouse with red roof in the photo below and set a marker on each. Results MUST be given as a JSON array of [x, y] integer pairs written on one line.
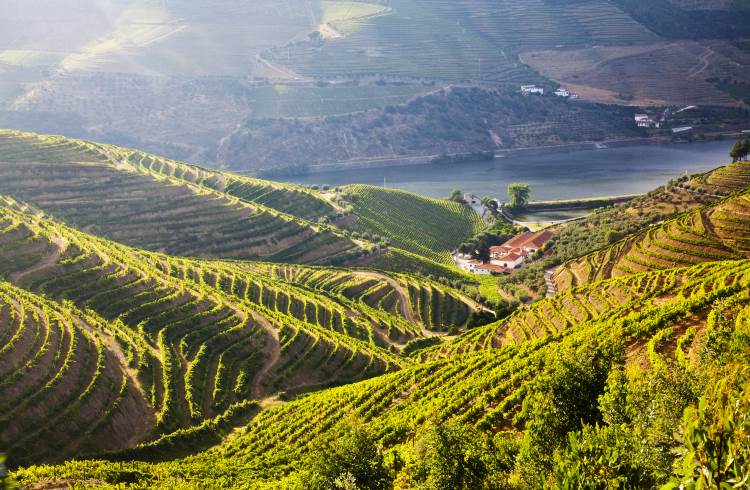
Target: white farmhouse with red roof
[[515, 251], [506, 257]]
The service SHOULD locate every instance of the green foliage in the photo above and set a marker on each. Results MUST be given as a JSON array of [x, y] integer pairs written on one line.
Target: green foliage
[[453, 456], [740, 150], [519, 195], [5, 483], [716, 437], [566, 398], [600, 458], [428, 227], [353, 460], [415, 345]]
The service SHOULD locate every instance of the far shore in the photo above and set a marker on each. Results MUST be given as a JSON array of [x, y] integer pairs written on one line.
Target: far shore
[[402, 161]]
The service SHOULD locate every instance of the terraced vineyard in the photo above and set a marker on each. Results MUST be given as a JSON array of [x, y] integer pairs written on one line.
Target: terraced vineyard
[[484, 388], [179, 371], [66, 386], [179, 341], [716, 232], [180, 209], [478, 39], [171, 209], [428, 227]]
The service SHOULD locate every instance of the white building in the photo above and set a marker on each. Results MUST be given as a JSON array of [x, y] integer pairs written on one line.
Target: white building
[[645, 121], [561, 92], [531, 89]]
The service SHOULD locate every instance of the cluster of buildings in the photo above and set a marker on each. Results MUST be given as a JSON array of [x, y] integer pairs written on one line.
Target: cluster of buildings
[[536, 90], [508, 256], [646, 121]]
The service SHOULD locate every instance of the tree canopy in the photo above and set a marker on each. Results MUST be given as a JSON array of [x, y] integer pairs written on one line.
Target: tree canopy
[[740, 150], [519, 194]]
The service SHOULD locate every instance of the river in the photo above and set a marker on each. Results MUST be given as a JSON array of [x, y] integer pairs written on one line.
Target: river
[[561, 175]]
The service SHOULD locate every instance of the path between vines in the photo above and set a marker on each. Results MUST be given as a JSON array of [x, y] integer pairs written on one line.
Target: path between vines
[[49, 260], [273, 347]]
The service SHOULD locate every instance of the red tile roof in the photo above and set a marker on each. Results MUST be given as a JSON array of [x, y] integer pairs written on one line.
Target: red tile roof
[[494, 268], [528, 240]]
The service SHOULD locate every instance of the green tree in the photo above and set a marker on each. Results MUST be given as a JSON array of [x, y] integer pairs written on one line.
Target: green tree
[[566, 398], [519, 195], [353, 460], [740, 150], [600, 458], [490, 204], [454, 456], [457, 195], [716, 436]]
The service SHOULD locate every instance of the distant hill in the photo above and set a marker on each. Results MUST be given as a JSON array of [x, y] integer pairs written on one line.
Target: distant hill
[[190, 81]]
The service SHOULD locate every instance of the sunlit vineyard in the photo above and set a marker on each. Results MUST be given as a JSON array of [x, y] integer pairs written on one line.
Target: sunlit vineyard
[[715, 232], [169, 209], [428, 227], [184, 340], [484, 388]]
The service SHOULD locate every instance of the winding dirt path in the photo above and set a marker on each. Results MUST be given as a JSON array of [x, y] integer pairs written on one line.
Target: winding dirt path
[[49, 260], [273, 346]]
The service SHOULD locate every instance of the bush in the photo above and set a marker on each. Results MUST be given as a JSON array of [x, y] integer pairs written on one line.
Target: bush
[[352, 460]]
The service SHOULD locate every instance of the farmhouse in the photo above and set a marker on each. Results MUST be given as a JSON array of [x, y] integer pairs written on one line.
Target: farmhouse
[[531, 89], [514, 252], [645, 121], [506, 257]]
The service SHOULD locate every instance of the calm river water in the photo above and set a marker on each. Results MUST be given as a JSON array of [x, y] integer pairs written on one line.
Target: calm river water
[[564, 175]]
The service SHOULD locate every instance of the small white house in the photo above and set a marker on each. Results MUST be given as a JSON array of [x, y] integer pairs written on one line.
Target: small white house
[[531, 89], [509, 261], [561, 92], [645, 121]]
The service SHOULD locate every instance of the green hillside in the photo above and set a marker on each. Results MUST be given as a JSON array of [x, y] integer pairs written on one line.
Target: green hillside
[[185, 340], [180, 364], [428, 227], [446, 40], [180, 209], [173, 208], [656, 348], [718, 231]]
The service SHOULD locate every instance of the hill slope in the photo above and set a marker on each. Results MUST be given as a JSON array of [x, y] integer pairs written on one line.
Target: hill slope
[[180, 209], [180, 341], [714, 232], [662, 332]]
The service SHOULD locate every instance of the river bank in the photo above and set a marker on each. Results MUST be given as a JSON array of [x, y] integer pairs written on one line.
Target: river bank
[[620, 169]]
